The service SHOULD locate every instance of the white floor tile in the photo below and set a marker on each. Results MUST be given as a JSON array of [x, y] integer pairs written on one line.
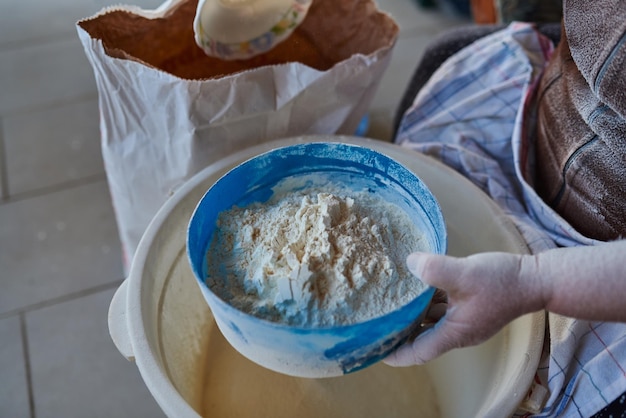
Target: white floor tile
[[406, 55], [76, 369], [52, 146], [57, 244], [418, 26], [13, 384], [410, 17], [35, 20], [43, 74]]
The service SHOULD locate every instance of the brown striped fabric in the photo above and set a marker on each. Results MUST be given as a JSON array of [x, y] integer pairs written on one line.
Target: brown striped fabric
[[581, 125]]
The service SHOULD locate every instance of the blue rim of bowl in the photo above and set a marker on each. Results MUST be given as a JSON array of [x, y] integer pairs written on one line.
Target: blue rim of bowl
[[424, 296]]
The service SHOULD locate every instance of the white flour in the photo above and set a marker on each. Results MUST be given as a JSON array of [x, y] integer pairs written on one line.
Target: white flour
[[315, 258]]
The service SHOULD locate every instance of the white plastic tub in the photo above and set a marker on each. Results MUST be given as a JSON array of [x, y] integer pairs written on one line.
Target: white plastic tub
[[159, 319]]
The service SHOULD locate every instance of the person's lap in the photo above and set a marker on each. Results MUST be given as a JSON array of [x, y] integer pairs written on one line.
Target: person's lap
[[434, 56]]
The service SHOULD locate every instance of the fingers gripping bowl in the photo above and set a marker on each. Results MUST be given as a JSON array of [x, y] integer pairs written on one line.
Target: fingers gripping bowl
[[290, 344]]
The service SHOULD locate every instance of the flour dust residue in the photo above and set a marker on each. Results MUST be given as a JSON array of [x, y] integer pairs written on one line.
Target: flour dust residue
[[320, 256]]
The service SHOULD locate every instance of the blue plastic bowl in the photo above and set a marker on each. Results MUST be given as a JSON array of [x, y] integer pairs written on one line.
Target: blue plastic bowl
[[315, 352]]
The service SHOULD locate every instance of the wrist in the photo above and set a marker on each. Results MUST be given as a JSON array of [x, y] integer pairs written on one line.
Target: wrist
[[535, 285]]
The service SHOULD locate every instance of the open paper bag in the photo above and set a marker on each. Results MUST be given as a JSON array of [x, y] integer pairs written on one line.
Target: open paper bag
[[167, 110]]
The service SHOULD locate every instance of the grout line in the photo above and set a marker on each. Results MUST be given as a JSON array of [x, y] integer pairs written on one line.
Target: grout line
[[94, 178], [61, 299], [4, 171], [28, 370]]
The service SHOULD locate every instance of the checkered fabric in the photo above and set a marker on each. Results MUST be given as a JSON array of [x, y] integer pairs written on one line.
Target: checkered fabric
[[472, 115]]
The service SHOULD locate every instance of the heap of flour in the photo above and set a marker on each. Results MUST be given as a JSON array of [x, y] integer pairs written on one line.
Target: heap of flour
[[315, 257]]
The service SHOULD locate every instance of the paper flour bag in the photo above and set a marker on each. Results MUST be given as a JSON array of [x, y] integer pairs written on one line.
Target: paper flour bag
[[167, 110]]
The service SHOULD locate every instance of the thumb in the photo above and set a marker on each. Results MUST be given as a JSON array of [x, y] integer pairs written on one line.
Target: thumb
[[436, 270], [429, 345]]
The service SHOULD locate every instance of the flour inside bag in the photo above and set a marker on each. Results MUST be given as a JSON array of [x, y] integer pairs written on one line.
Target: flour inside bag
[[167, 109]]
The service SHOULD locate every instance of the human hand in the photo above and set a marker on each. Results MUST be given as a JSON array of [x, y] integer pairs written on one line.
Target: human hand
[[484, 291]]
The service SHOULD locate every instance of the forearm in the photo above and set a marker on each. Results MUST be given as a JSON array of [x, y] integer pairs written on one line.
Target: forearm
[[582, 282]]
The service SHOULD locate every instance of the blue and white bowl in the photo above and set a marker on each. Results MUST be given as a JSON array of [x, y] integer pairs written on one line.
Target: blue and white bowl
[[327, 351]]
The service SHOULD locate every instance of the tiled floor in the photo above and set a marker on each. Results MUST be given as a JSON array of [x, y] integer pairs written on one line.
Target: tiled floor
[[60, 256]]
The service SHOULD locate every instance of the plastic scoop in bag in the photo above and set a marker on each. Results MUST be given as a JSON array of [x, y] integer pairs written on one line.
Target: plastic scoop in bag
[[241, 29]]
